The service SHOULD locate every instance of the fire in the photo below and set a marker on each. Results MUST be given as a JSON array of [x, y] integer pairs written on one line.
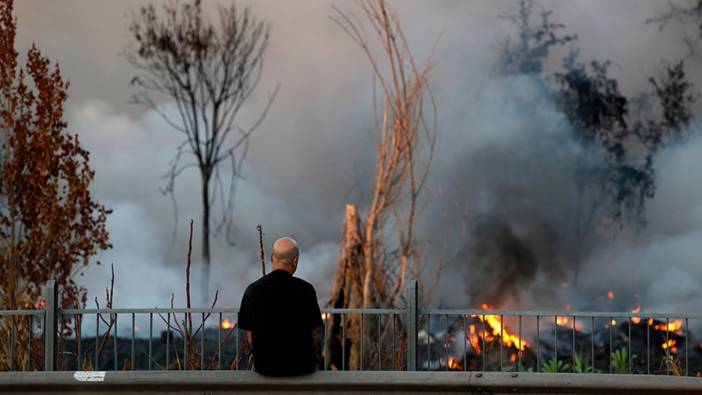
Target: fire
[[453, 364], [495, 323], [610, 295], [673, 326], [40, 304], [670, 344], [473, 337], [226, 324], [569, 322], [513, 358], [636, 320]]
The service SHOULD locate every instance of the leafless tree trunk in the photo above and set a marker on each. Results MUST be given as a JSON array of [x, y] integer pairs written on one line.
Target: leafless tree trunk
[[380, 249], [347, 292], [206, 72]]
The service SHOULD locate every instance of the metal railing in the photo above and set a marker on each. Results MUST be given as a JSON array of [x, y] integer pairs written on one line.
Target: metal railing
[[407, 338]]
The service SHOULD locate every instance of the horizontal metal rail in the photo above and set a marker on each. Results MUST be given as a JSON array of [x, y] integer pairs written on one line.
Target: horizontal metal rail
[[156, 310], [566, 313], [21, 312], [469, 312], [405, 338], [196, 310]]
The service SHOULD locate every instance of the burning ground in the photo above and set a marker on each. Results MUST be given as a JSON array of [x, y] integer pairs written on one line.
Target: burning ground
[[492, 342]]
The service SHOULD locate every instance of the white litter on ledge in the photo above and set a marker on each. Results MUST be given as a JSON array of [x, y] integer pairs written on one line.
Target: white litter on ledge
[[89, 376]]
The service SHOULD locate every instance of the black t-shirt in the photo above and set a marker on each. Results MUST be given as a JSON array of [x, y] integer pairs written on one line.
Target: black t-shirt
[[281, 311]]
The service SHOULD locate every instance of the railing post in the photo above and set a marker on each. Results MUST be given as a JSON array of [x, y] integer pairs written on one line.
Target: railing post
[[411, 298], [50, 323]]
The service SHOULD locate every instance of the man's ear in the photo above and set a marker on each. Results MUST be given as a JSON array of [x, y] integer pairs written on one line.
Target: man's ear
[[271, 257]]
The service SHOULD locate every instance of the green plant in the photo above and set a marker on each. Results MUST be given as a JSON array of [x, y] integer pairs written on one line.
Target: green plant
[[620, 360], [580, 365], [555, 366]]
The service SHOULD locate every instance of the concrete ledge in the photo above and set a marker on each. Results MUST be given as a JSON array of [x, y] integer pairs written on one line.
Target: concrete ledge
[[228, 382]]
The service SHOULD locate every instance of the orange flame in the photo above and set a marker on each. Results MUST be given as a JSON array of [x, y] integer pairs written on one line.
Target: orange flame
[[40, 304], [453, 364], [673, 326], [568, 322], [610, 295], [473, 337], [495, 323], [670, 344], [226, 324], [636, 320]]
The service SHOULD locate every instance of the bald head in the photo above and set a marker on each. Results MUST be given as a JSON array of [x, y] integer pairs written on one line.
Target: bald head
[[285, 254]]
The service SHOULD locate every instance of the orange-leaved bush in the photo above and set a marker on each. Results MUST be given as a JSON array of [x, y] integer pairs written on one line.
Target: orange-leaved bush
[[50, 226]]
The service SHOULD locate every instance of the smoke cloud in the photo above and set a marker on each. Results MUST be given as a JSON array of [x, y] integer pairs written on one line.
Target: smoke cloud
[[500, 210]]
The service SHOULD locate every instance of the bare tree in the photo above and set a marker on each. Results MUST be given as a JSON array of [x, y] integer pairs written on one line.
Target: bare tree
[[207, 72], [535, 39], [688, 15], [380, 247]]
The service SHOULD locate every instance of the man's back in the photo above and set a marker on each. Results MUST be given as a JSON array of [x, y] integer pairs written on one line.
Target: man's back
[[281, 311]]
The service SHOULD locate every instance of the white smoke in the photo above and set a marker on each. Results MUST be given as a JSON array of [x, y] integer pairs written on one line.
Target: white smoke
[[129, 157], [661, 263], [505, 154]]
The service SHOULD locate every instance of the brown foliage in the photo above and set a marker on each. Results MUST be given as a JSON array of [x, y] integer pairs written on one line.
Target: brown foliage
[[50, 226]]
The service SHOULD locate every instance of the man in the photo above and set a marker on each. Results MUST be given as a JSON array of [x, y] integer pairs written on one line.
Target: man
[[280, 313]]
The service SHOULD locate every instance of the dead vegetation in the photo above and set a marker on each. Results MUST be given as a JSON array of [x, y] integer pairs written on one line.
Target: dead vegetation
[[186, 330], [181, 332], [379, 249]]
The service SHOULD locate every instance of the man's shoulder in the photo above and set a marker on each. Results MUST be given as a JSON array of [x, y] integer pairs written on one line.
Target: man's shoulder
[[254, 285], [266, 282], [303, 284]]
